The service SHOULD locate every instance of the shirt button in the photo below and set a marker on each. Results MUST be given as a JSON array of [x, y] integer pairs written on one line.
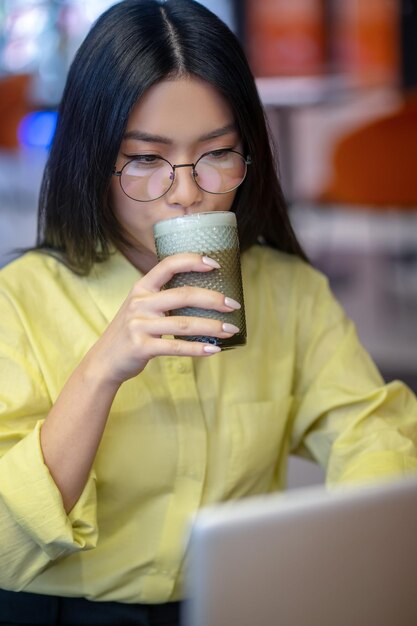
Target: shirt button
[[181, 368]]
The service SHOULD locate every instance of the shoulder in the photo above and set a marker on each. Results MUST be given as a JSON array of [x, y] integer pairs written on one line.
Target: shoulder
[[265, 265], [31, 263], [284, 282], [31, 272], [39, 285]]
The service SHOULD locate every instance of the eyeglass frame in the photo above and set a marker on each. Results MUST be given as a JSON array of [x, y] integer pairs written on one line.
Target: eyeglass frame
[[247, 161]]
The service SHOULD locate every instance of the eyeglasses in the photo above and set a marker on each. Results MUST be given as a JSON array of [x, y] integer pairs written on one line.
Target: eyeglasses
[[148, 177]]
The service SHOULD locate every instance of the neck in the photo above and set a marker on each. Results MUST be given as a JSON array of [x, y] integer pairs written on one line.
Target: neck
[[141, 258]]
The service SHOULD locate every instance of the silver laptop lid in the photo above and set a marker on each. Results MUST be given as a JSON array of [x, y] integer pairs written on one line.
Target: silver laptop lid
[[307, 558]]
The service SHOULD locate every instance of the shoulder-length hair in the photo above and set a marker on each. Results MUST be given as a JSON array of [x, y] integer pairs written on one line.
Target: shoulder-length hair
[[132, 46]]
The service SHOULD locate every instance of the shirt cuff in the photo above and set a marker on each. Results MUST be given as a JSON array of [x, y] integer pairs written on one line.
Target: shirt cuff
[[35, 503], [373, 467]]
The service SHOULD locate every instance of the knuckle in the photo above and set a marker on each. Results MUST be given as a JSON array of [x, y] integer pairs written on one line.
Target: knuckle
[[133, 328], [177, 346], [142, 347], [137, 289], [183, 323], [185, 293], [136, 302], [170, 263], [132, 305]]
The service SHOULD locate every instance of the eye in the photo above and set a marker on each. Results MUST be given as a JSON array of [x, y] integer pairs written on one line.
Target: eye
[[219, 154], [145, 159], [141, 164]]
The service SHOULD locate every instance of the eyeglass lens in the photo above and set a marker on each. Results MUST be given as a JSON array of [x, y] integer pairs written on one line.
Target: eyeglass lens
[[150, 177]]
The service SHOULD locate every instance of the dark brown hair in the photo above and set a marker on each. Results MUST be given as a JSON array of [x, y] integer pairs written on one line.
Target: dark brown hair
[[132, 46]]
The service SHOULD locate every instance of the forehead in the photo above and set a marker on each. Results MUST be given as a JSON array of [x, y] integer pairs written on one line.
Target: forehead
[[181, 109]]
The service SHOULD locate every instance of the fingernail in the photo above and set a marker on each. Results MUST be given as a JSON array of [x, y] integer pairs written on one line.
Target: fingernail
[[232, 304], [211, 262], [210, 349], [230, 328]]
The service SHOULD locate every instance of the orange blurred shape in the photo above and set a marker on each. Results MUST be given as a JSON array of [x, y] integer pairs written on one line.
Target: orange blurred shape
[[376, 164], [286, 37], [13, 106], [366, 39]]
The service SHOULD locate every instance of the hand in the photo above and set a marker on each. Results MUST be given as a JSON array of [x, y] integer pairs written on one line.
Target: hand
[[135, 334]]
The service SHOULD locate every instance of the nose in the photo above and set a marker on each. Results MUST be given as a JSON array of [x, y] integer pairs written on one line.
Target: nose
[[184, 191]]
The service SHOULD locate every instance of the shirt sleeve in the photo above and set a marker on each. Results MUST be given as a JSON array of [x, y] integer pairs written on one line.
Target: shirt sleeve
[[345, 417], [34, 527]]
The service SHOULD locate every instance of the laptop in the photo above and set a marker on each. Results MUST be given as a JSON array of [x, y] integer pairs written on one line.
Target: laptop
[[307, 558]]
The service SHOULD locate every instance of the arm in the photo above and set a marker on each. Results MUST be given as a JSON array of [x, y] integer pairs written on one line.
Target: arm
[[34, 528], [73, 428], [47, 486], [346, 418]]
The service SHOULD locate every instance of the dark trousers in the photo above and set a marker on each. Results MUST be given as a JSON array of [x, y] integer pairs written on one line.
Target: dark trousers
[[31, 608]]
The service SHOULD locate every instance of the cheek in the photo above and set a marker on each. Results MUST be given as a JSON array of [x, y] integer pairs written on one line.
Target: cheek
[[124, 209], [224, 203]]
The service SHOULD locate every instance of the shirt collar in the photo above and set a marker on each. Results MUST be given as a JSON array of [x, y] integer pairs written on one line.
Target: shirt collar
[[110, 282]]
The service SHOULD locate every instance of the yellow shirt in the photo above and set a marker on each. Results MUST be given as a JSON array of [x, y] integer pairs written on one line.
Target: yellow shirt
[[184, 433]]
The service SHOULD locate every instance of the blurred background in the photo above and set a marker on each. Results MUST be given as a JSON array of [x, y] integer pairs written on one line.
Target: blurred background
[[338, 79]]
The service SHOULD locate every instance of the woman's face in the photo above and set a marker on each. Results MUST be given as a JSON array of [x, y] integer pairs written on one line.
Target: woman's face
[[178, 120]]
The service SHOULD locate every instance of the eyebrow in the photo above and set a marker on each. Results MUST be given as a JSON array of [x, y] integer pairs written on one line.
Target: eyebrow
[[142, 136]]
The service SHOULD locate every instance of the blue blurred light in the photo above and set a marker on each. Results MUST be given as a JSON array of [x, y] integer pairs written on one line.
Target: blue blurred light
[[36, 130]]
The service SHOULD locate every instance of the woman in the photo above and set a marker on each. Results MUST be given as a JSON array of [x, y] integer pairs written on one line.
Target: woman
[[112, 434]]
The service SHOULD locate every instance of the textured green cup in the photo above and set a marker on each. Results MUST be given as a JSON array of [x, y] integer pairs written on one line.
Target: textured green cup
[[212, 234]]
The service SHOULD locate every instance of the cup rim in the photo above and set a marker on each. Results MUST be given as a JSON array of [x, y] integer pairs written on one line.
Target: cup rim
[[203, 219]]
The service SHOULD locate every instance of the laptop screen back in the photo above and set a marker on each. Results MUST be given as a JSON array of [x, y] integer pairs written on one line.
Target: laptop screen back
[[307, 558]]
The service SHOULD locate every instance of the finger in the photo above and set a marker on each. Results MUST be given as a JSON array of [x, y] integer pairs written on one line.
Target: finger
[[159, 275], [184, 325], [181, 297], [180, 347]]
